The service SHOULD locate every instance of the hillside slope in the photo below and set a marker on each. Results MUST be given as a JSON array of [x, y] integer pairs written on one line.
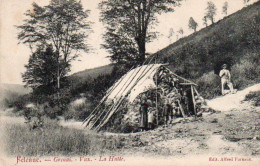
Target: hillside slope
[[11, 92], [7, 90], [233, 37], [234, 40], [88, 74]]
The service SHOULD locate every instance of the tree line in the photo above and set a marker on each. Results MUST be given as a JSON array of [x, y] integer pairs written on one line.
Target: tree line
[[210, 13]]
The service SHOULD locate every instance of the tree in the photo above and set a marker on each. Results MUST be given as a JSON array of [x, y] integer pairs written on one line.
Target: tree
[[40, 70], [193, 24], [123, 50], [205, 21], [171, 33], [246, 1], [62, 24], [134, 19], [181, 32], [211, 11], [225, 8]]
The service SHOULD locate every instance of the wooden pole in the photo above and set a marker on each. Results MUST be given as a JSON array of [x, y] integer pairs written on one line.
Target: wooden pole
[[108, 115], [118, 104], [123, 87], [100, 116], [194, 102], [118, 82], [157, 112], [109, 92], [132, 78], [182, 112], [184, 79], [87, 120], [188, 84], [196, 91]]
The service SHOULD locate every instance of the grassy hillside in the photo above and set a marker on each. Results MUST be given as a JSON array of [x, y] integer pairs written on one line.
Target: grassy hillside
[[89, 74], [11, 92], [234, 39], [14, 88]]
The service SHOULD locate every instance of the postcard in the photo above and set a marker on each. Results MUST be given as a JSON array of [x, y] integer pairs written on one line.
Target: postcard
[[129, 82]]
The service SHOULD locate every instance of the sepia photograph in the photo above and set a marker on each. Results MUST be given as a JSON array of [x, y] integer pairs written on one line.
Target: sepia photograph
[[129, 82]]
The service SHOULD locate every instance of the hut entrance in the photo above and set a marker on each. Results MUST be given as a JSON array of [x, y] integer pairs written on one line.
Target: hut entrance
[[187, 100]]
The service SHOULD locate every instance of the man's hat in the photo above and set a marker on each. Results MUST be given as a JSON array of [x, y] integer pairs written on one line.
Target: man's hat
[[224, 65]]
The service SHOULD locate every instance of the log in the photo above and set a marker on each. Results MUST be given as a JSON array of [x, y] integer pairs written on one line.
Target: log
[[188, 84], [182, 112], [184, 79]]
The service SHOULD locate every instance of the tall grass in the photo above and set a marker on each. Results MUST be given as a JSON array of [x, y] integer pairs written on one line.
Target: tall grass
[[53, 139], [209, 85], [246, 72], [78, 112]]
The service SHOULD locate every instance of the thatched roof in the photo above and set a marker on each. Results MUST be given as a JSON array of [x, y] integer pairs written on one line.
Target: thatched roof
[[134, 82]]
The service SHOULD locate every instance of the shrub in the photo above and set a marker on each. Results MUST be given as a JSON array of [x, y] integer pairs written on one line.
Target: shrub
[[18, 102], [78, 112], [245, 73], [33, 117], [209, 85], [254, 97]]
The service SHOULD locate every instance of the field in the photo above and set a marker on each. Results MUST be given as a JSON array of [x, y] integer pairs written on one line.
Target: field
[[52, 139]]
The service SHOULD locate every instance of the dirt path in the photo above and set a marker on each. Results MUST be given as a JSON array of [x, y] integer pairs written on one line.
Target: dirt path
[[230, 133], [231, 101], [231, 130]]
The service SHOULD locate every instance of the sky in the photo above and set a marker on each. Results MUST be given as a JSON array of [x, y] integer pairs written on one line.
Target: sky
[[14, 56]]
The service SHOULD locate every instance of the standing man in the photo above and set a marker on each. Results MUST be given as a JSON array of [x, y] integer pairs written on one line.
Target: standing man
[[225, 79]]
